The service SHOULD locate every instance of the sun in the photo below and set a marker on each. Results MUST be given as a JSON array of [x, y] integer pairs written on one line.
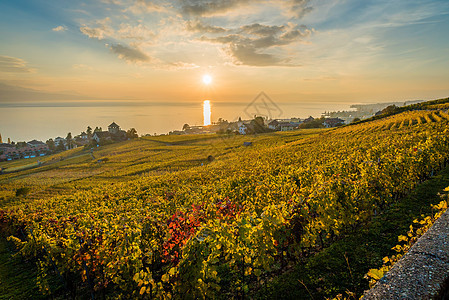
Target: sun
[[207, 79]]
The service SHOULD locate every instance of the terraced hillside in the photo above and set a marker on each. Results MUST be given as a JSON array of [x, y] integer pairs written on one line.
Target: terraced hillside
[[205, 216]]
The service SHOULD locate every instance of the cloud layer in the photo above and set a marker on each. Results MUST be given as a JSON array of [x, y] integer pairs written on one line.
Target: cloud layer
[[129, 54], [295, 8], [141, 27], [250, 44], [256, 33], [14, 65]]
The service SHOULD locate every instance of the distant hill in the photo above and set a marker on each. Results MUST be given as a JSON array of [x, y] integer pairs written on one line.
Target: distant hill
[[9, 93], [421, 105], [380, 106], [365, 111]]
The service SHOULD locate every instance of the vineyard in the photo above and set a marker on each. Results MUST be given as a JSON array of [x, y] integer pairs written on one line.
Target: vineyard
[[205, 216]]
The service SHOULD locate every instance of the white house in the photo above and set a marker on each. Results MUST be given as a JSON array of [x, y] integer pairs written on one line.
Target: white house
[[273, 125], [101, 135], [243, 129]]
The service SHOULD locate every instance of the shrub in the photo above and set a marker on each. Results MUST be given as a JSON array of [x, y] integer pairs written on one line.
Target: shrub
[[23, 191]]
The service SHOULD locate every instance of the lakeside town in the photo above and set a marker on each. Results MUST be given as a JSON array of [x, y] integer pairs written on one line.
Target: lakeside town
[[11, 150], [89, 138]]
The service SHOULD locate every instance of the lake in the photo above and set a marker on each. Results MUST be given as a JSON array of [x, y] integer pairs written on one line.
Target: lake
[[44, 120]]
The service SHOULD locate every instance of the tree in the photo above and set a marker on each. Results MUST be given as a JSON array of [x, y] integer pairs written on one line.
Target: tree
[[60, 147], [387, 110], [69, 140], [258, 125], [186, 127], [23, 191], [51, 144], [89, 131], [315, 123], [98, 129], [132, 133]]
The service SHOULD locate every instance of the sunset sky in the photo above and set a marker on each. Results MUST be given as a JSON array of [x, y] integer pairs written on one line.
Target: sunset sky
[[294, 50]]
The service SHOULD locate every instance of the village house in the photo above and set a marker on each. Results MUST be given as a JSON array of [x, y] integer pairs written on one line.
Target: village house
[[81, 139], [273, 125], [38, 146], [101, 136], [194, 130], [84, 136], [243, 129], [31, 149], [333, 122], [113, 128], [309, 119], [286, 126], [4, 146], [114, 133], [176, 132], [295, 121], [6, 150]]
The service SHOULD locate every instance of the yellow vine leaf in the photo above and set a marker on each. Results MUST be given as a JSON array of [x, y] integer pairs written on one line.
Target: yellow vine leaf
[[375, 273], [142, 290], [402, 238]]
